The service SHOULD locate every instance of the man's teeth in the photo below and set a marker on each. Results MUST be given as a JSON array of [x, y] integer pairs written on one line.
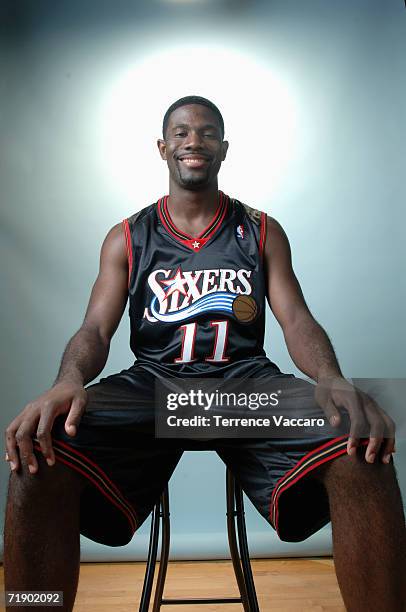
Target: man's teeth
[[193, 159]]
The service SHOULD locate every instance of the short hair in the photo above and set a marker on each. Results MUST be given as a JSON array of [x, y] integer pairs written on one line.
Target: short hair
[[192, 100]]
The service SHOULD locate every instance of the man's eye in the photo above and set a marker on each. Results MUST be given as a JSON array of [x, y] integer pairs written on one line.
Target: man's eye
[[181, 134], [209, 135]]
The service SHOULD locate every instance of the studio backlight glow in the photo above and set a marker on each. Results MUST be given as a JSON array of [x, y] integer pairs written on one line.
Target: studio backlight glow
[[256, 104]]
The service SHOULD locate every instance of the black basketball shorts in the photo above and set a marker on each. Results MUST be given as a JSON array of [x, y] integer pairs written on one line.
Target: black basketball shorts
[[126, 468]]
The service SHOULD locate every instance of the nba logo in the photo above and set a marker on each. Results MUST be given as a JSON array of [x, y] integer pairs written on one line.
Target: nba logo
[[240, 231]]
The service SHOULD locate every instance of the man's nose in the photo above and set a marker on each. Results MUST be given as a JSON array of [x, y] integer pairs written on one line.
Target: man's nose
[[193, 140]]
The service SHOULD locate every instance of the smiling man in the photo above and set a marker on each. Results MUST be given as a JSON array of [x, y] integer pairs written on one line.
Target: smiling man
[[193, 169], [197, 268]]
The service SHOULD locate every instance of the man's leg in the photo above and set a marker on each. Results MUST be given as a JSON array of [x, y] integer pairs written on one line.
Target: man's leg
[[369, 536], [41, 546]]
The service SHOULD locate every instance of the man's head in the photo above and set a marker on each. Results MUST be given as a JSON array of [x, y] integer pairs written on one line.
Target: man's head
[[193, 142], [186, 101]]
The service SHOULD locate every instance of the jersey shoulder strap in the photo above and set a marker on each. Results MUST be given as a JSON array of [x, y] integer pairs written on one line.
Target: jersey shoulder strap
[[258, 220], [253, 214], [136, 217], [129, 230]]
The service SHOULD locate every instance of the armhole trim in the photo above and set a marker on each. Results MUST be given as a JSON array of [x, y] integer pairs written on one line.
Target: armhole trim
[[262, 235], [127, 234]]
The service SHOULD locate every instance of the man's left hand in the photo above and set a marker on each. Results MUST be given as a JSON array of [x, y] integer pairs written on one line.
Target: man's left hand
[[367, 418]]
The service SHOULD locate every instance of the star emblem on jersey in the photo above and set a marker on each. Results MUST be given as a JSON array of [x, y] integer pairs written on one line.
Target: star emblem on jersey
[[176, 283], [195, 243]]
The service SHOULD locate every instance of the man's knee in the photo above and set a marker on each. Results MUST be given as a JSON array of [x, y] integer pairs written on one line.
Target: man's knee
[[50, 486], [353, 476]]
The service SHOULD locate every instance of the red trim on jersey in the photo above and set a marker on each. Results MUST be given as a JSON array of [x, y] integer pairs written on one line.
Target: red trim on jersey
[[195, 243], [111, 499], [211, 358], [103, 491], [184, 234], [84, 460], [307, 456], [164, 222], [280, 487], [262, 234], [127, 234], [221, 218]]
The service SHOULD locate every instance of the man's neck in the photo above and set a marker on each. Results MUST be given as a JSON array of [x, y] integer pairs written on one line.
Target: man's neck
[[190, 206]]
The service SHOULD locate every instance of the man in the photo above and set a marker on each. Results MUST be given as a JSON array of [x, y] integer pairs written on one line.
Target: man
[[86, 460]]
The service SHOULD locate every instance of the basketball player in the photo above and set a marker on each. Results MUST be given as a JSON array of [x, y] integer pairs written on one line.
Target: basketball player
[[196, 267]]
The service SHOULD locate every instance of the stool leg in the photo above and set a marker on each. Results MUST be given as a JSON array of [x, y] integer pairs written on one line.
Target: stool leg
[[245, 557], [151, 561], [163, 564], [232, 539]]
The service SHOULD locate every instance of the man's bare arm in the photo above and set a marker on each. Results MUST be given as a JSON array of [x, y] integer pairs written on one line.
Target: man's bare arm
[[83, 359], [307, 342], [313, 353], [86, 353]]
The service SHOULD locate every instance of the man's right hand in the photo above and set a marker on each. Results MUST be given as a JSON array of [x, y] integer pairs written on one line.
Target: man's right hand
[[37, 419]]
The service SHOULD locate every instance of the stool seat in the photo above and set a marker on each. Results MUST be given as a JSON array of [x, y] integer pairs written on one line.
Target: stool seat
[[238, 544]]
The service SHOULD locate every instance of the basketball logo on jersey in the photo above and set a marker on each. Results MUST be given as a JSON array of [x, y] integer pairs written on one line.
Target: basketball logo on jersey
[[240, 231], [181, 295]]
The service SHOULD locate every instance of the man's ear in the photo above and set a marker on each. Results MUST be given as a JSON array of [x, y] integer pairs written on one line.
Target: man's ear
[[225, 149], [162, 147]]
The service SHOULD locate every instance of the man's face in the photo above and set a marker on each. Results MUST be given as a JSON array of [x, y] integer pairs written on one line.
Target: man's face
[[193, 146]]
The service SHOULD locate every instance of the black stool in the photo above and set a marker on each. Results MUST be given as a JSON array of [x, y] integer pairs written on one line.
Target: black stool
[[238, 549]]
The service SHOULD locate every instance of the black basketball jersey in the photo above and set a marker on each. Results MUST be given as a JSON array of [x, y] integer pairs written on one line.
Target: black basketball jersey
[[196, 302]]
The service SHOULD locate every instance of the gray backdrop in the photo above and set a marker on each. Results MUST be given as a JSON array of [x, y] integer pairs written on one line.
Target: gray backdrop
[[314, 97]]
